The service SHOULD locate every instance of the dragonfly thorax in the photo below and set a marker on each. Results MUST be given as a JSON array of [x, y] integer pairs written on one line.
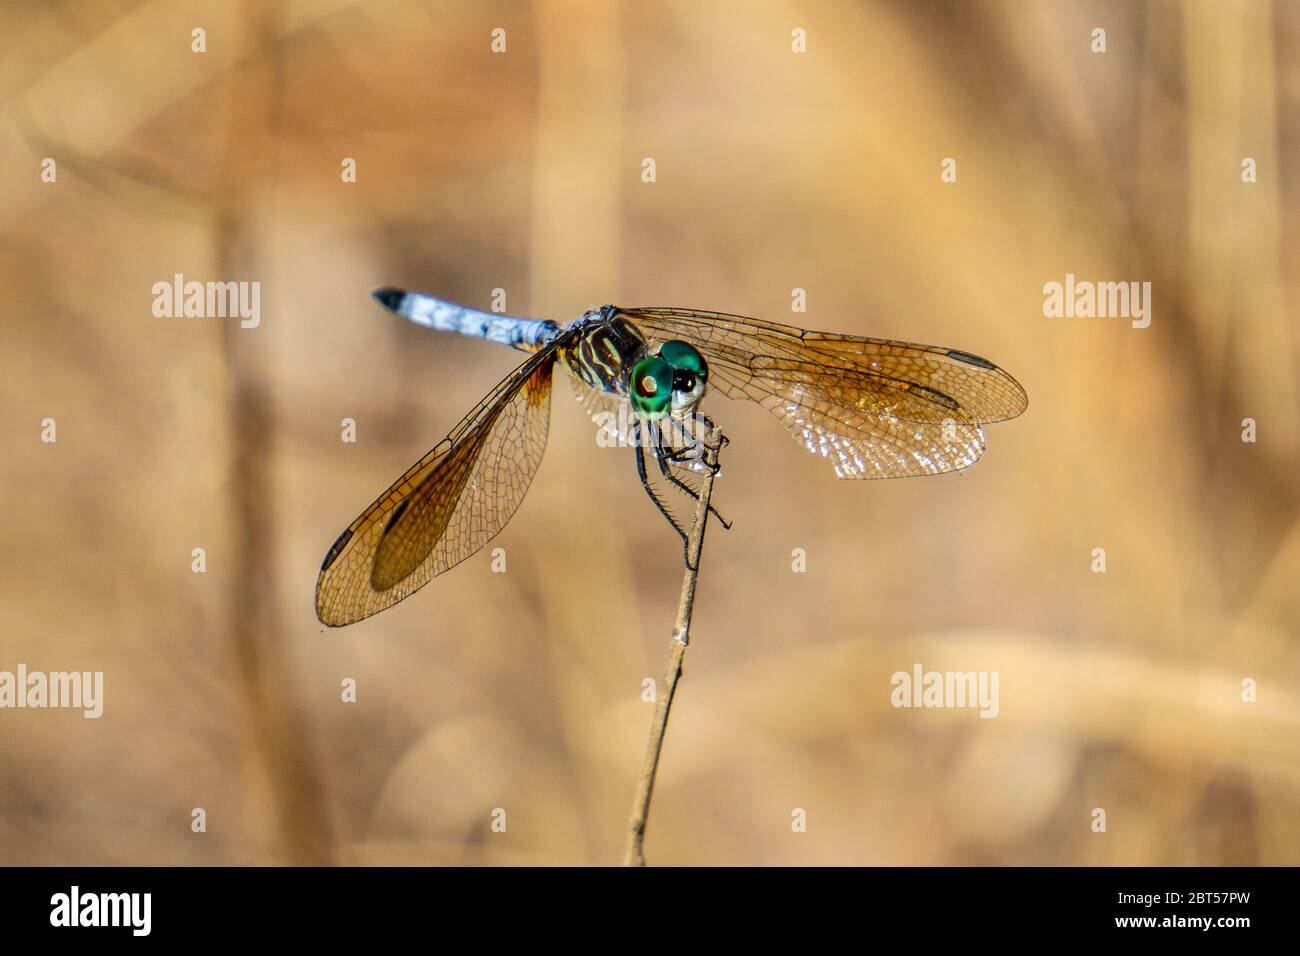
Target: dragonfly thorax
[[604, 351]]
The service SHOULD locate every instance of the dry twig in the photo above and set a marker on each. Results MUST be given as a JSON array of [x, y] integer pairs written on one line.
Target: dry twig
[[634, 854]]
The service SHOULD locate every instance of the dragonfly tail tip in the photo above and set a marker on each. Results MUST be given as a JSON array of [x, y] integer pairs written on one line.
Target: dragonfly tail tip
[[389, 297]]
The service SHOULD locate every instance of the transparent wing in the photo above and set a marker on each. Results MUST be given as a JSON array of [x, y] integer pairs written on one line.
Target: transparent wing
[[448, 504], [875, 408], [611, 413]]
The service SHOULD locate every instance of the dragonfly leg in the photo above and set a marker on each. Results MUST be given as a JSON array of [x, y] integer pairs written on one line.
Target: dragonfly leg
[[696, 449], [662, 456], [638, 448], [711, 454]]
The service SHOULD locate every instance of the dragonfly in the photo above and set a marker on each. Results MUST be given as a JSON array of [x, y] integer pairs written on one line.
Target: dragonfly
[[872, 408]]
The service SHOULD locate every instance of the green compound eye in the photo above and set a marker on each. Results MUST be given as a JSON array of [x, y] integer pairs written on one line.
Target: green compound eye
[[684, 358], [651, 388]]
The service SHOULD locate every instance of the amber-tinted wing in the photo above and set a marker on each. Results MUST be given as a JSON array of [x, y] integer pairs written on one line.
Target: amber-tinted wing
[[875, 408], [448, 504]]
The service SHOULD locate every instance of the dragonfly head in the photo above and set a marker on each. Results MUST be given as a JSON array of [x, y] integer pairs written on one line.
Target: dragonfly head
[[650, 389], [690, 375], [670, 382]]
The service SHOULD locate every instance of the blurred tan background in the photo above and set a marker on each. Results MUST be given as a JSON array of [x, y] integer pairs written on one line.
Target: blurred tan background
[[775, 171]]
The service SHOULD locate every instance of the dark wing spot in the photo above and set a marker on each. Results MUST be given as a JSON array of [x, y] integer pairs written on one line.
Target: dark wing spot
[[397, 513], [933, 395], [970, 359], [336, 549]]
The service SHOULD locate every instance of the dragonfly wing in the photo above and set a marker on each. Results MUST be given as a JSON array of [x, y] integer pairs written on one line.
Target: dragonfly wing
[[448, 504], [610, 412], [875, 408]]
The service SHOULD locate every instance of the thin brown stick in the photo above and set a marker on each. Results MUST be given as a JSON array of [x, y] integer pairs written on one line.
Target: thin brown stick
[[634, 854]]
